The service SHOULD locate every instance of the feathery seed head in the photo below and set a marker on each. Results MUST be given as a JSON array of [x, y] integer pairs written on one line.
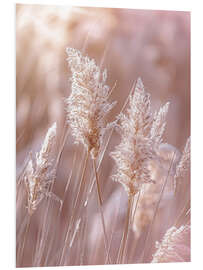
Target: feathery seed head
[[173, 240], [138, 133], [135, 150], [183, 165], [87, 106], [38, 177], [42, 156], [30, 180], [159, 124]]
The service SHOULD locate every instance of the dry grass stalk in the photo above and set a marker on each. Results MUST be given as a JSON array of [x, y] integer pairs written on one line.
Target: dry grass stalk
[[122, 248], [39, 177], [76, 202], [41, 244], [183, 214], [141, 133], [87, 107], [157, 207], [175, 246], [77, 227], [100, 203], [183, 165]]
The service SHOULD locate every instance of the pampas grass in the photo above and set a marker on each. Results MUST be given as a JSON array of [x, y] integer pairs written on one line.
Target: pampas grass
[[141, 134], [87, 107], [69, 212], [38, 178], [183, 165], [174, 246]]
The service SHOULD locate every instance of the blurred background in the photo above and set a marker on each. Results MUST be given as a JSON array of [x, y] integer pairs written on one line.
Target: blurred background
[[153, 45]]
